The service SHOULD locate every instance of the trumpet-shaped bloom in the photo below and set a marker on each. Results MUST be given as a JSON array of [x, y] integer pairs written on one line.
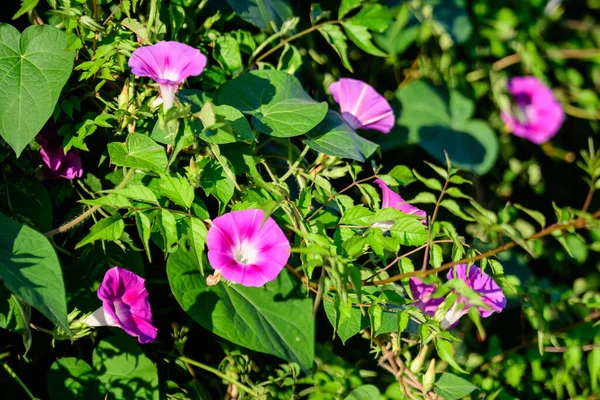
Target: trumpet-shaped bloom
[[475, 279], [392, 199], [124, 305], [58, 164], [361, 106], [246, 248], [169, 64], [536, 115]]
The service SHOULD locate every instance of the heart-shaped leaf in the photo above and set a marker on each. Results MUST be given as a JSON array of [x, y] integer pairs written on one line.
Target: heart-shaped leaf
[[34, 67], [139, 152]]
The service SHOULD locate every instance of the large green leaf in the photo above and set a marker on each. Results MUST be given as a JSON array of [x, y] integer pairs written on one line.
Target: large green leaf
[[275, 100], [364, 392], [275, 319], [30, 269], [335, 137], [34, 67], [439, 120], [124, 369], [140, 152], [72, 378], [452, 387], [260, 13], [350, 325]]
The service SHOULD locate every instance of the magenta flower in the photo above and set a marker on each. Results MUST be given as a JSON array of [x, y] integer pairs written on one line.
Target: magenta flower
[[124, 305], [480, 282], [246, 248], [361, 106], [536, 115], [392, 199], [169, 64], [58, 164]]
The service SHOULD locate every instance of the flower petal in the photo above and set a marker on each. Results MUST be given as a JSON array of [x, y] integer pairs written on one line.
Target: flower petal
[[392, 199], [361, 106]]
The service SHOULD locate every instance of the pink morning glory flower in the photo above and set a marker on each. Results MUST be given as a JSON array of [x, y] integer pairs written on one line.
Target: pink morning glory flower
[[475, 279], [247, 248], [536, 115], [58, 164], [169, 64], [392, 199], [124, 305], [361, 106]]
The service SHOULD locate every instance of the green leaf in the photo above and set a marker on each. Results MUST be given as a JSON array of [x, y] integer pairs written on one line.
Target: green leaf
[[336, 39], [222, 124], [214, 181], [135, 192], [402, 174], [145, 230], [112, 200], [227, 53], [26, 6], [275, 100], [106, 229], [361, 37], [346, 6], [72, 378], [357, 215], [177, 189], [536, 215], [290, 60], [168, 228], [452, 387], [197, 237], [439, 120], [400, 34], [455, 209], [364, 392], [431, 183], [336, 138], [260, 13], [15, 316], [374, 17], [410, 231], [453, 17], [140, 152], [34, 67], [444, 350], [124, 369], [29, 268], [284, 328]]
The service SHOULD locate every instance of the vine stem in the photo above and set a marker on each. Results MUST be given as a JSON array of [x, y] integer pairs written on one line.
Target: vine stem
[[220, 375], [90, 211], [577, 224], [12, 373], [294, 37], [334, 195], [433, 218], [295, 165]]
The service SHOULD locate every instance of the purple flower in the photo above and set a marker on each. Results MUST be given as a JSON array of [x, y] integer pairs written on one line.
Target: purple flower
[[361, 106], [124, 305], [392, 199], [58, 164], [246, 248], [536, 115], [475, 279], [169, 64]]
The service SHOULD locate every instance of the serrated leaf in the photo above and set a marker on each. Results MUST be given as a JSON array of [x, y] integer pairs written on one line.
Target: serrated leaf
[[410, 231], [106, 229], [34, 67], [140, 152]]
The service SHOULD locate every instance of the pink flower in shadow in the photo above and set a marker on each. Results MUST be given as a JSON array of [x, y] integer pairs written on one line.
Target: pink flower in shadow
[[124, 305], [58, 164]]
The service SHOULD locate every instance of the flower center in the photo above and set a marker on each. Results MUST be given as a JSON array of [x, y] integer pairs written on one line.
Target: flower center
[[245, 253]]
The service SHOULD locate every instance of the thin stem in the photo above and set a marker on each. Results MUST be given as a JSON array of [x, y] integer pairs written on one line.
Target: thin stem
[[294, 37], [334, 195], [561, 53], [295, 165], [577, 224], [220, 375], [433, 218], [90, 211], [19, 381]]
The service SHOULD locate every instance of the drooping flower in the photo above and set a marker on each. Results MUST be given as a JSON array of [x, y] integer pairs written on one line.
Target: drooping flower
[[361, 106], [536, 115], [124, 305], [475, 279], [392, 199], [169, 64], [246, 248], [58, 164]]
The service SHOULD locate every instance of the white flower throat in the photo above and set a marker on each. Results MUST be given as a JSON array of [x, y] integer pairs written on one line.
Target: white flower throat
[[245, 253]]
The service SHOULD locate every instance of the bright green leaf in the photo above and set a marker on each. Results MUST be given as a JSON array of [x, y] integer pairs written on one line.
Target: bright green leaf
[[106, 229]]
